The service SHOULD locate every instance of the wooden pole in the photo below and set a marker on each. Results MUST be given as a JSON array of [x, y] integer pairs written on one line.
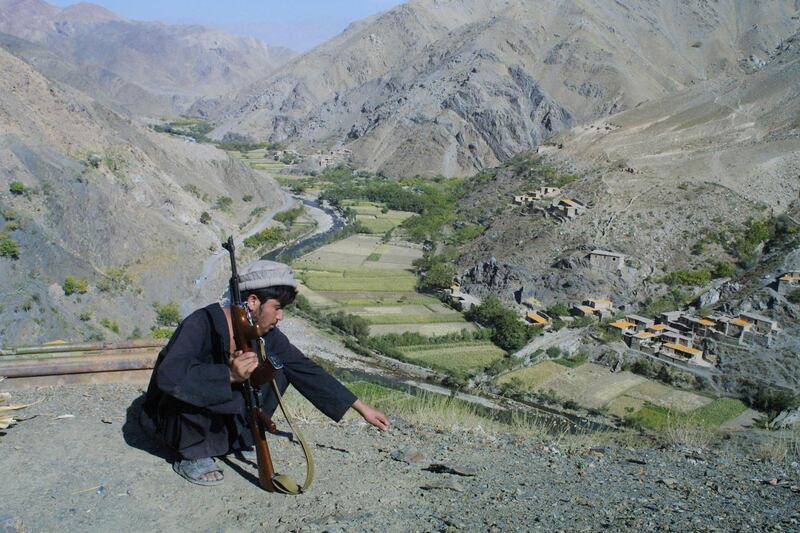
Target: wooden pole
[[77, 365]]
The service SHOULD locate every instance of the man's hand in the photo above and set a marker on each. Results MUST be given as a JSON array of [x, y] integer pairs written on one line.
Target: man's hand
[[242, 365], [372, 415]]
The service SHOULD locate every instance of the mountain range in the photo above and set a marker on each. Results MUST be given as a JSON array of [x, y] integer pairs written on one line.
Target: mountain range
[[450, 87]]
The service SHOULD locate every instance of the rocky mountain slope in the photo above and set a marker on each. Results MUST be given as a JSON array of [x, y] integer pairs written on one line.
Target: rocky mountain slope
[[101, 84], [176, 63], [88, 193], [453, 86], [662, 181]]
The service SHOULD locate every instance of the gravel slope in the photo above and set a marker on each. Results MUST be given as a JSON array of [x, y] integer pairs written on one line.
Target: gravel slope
[[97, 472]]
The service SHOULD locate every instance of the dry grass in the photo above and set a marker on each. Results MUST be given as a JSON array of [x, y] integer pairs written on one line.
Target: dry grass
[[432, 410], [685, 432], [7, 411], [783, 447]]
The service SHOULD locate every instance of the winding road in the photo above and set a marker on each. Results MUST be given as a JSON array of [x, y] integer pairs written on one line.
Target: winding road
[[213, 275]]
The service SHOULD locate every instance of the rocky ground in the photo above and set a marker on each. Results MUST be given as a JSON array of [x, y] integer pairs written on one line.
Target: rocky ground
[[79, 462]]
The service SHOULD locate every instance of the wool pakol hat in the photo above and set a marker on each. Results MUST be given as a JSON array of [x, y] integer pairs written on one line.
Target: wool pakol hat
[[262, 274]]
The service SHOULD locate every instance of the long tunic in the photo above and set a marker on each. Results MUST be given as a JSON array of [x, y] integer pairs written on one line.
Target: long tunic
[[195, 410]]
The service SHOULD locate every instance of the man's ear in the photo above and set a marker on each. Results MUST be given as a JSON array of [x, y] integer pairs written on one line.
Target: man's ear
[[252, 301]]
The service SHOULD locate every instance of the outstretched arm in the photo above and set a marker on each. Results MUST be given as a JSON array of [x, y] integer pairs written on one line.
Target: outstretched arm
[[371, 415]]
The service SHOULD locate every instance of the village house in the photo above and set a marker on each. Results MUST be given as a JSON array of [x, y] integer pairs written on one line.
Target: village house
[[622, 327], [642, 341], [671, 337], [539, 318], [583, 311], [761, 324], [669, 317], [788, 282], [698, 326], [660, 329], [539, 194], [567, 207], [733, 327], [603, 260], [684, 354], [641, 322]]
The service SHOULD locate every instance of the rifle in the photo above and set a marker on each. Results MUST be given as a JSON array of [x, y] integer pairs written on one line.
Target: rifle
[[248, 336]]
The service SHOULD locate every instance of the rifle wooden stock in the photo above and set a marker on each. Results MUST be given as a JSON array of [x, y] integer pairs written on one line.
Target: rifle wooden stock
[[266, 471]]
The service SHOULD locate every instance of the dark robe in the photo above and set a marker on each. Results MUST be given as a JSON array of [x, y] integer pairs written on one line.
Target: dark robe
[[194, 409]]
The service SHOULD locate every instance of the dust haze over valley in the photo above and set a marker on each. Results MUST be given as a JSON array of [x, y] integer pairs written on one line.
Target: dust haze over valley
[[129, 150]]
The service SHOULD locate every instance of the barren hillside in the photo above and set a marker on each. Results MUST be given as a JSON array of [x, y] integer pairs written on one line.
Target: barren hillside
[[85, 192], [462, 84], [179, 63]]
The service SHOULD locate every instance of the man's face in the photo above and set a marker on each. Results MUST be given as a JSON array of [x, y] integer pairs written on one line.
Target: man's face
[[266, 314]]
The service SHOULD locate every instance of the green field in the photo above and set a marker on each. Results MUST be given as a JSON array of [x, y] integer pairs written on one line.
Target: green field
[[371, 215], [359, 279], [429, 318], [638, 399], [457, 359]]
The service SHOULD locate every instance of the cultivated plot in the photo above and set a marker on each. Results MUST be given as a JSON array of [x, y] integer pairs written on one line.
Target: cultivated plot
[[459, 359], [621, 394]]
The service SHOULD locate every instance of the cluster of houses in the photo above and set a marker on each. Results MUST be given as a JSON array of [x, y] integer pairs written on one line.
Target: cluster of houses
[[600, 309], [562, 207], [678, 336], [541, 193], [675, 336], [331, 158]]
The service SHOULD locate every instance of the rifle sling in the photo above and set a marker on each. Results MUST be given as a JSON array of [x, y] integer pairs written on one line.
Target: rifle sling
[[281, 482]]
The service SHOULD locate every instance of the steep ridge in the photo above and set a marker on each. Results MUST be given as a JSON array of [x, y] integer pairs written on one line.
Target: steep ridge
[[182, 63], [661, 180], [464, 84], [105, 200], [101, 84]]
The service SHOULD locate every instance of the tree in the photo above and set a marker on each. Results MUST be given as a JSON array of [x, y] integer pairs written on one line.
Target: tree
[[440, 276], [73, 284], [9, 248], [205, 218], [167, 314], [16, 187]]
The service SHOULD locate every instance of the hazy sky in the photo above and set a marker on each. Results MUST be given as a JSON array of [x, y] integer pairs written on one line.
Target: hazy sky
[[299, 24]]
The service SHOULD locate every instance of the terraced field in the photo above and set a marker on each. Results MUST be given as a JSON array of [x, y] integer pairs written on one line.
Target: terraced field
[[622, 394], [375, 217], [460, 359]]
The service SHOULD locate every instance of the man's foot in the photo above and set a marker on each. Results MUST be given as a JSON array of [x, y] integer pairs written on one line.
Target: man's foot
[[199, 471]]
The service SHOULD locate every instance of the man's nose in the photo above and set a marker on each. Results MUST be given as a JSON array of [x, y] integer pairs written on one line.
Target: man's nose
[[279, 314]]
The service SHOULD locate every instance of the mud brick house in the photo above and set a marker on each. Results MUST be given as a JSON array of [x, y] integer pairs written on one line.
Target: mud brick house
[[622, 326], [642, 340], [567, 207], [789, 282], [698, 326], [539, 194], [672, 337], [682, 353], [641, 322], [583, 311], [761, 324], [733, 327], [603, 260], [538, 318]]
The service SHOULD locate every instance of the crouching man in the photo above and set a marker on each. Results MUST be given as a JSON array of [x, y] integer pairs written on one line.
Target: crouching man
[[195, 401]]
